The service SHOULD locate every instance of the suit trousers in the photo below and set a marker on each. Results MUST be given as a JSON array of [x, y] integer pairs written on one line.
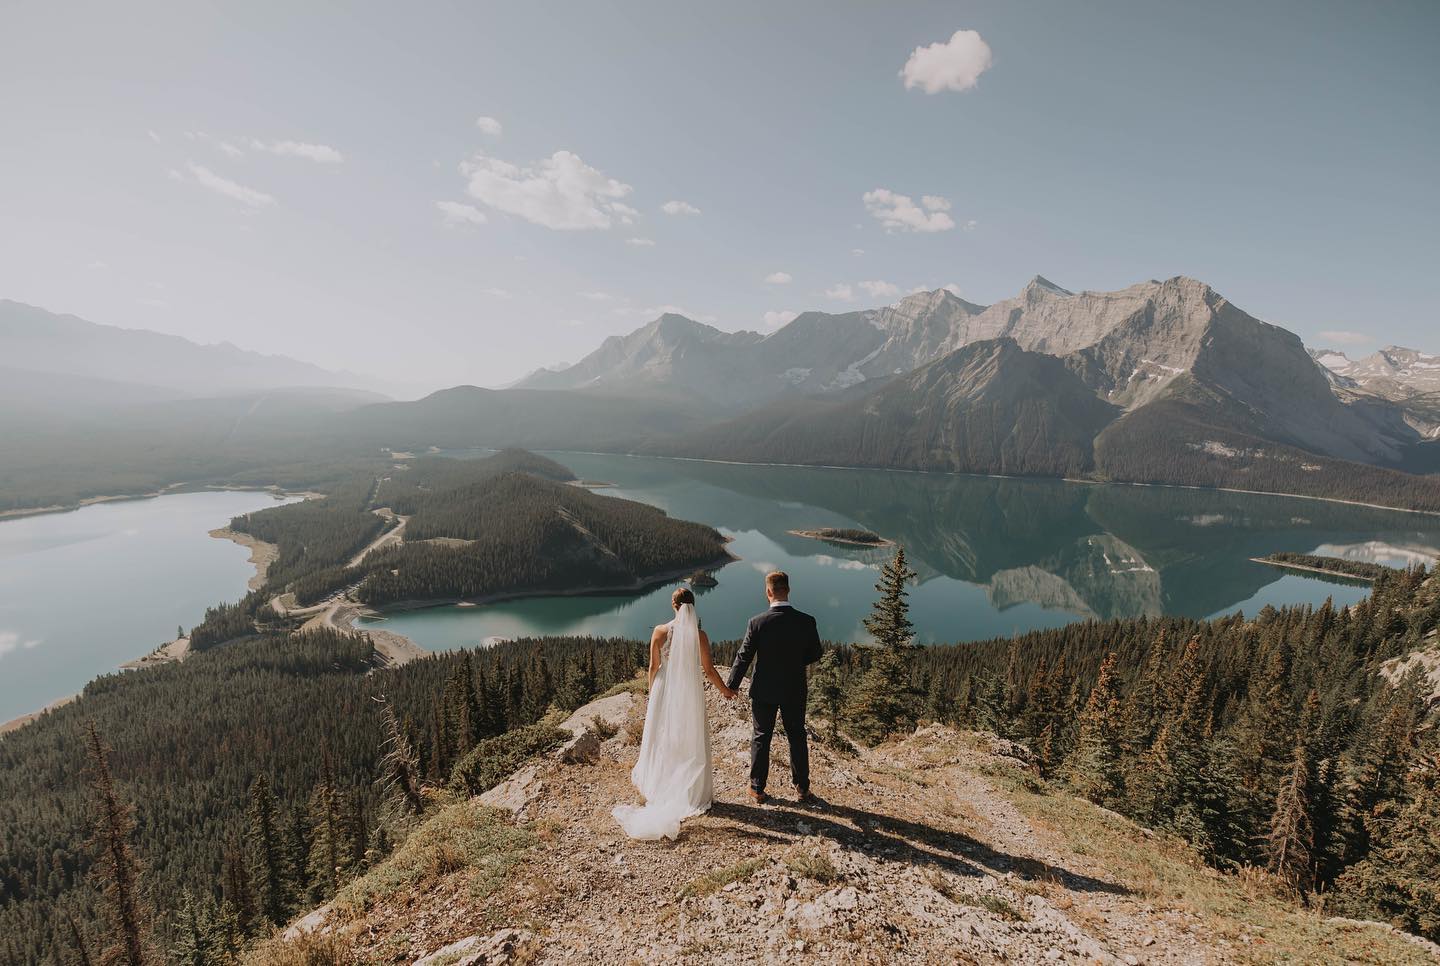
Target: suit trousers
[[792, 713]]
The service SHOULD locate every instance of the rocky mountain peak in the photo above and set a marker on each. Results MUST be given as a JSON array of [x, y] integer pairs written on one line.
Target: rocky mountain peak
[[1042, 285]]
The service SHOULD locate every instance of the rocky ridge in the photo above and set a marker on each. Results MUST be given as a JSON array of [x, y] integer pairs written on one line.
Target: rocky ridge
[[941, 847]]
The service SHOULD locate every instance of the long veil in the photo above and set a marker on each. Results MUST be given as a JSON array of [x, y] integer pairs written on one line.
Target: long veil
[[673, 772]]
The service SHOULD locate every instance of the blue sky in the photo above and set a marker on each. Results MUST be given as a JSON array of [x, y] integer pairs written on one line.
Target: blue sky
[[312, 178]]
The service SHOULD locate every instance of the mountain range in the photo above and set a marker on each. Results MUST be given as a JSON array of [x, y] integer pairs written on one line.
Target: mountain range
[[1161, 382], [1035, 384], [92, 364]]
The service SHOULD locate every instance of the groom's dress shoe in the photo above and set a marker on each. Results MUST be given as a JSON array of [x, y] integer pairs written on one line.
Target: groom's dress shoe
[[806, 797], [759, 798]]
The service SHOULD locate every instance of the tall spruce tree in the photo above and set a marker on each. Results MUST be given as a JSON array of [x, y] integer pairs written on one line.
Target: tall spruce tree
[[1290, 844], [885, 700], [889, 620], [265, 840], [827, 690], [1094, 767], [116, 870], [1399, 881]]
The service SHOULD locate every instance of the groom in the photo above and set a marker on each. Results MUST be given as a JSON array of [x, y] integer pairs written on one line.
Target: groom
[[782, 642]]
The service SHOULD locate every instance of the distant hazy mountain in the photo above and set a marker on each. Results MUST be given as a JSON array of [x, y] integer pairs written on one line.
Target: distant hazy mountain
[[1391, 365], [1408, 378], [38, 341]]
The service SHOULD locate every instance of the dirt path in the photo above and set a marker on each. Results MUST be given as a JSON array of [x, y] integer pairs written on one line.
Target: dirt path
[[394, 534]]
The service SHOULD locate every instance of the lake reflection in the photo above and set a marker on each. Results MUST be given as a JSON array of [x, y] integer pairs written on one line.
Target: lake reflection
[[995, 556]]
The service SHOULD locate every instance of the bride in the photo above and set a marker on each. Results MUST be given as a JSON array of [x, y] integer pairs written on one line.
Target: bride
[[673, 773]]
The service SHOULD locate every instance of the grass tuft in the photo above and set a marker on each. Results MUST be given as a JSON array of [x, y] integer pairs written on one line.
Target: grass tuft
[[468, 837], [720, 878], [812, 863]]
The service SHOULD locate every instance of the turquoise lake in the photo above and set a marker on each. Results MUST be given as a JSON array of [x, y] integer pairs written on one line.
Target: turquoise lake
[[995, 556], [85, 591]]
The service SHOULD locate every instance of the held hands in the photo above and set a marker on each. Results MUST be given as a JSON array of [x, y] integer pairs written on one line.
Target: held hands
[[728, 693]]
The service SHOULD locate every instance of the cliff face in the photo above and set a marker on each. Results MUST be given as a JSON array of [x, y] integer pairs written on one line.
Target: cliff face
[[940, 847]]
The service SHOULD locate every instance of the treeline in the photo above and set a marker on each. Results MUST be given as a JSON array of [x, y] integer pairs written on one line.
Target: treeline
[[316, 534], [525, 534], [190, 741], [1274, 742], [1171, 442], [1335, 565]]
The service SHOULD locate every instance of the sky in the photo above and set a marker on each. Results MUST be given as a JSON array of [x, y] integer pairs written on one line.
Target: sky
[[445, 193]]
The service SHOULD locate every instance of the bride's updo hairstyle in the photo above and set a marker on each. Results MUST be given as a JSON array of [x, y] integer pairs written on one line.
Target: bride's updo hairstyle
[[682, 595]]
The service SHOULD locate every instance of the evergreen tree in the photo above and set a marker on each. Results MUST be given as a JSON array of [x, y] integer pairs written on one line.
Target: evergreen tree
[[400, 771], [1398, 882], [1094, 767], [267, 858], [827, 690], [889, 621], [204, 934], [885, 700], [1291, 840], [327, 841], [116, 870], [297, 851]]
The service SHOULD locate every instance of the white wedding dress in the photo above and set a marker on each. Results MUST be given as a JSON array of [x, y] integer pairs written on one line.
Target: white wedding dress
[[673, 773]]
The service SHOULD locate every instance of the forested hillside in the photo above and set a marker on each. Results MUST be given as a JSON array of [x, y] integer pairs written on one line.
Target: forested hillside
[[1275, 741], [190, 741], [504, 524]]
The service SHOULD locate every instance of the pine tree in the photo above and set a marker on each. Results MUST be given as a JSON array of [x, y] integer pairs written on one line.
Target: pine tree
[[116, 869], [267, 861], [827, 690], [236, 887], [1291, 840], [1094, 767], [889, 621], [885, 700], [327, 842], [1399, 882], [400, 772], [204, 935], [297, 851]]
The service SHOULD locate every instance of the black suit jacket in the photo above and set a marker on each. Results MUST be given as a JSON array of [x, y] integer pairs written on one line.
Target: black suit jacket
[[782, 642]]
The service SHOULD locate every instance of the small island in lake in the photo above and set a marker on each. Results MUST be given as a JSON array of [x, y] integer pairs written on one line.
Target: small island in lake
[[701, 578], [850, 535], [1334, 566]]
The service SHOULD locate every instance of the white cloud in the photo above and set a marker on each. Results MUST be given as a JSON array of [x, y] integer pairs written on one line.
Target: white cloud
[[153, 136], [879, 289], [971, 225], [900, 213], [679, 208], [840, 292], [319, 153], [560, 192], [597, 296], [777, 319], [237, 192], [490, 126], [98, 265], [935, 202], [495, 293], [10, 641], [1345, 337], [457, 213], [954, 65], [953, 289], [640, 242], [230, 149], [778, 278], [857, 252]]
